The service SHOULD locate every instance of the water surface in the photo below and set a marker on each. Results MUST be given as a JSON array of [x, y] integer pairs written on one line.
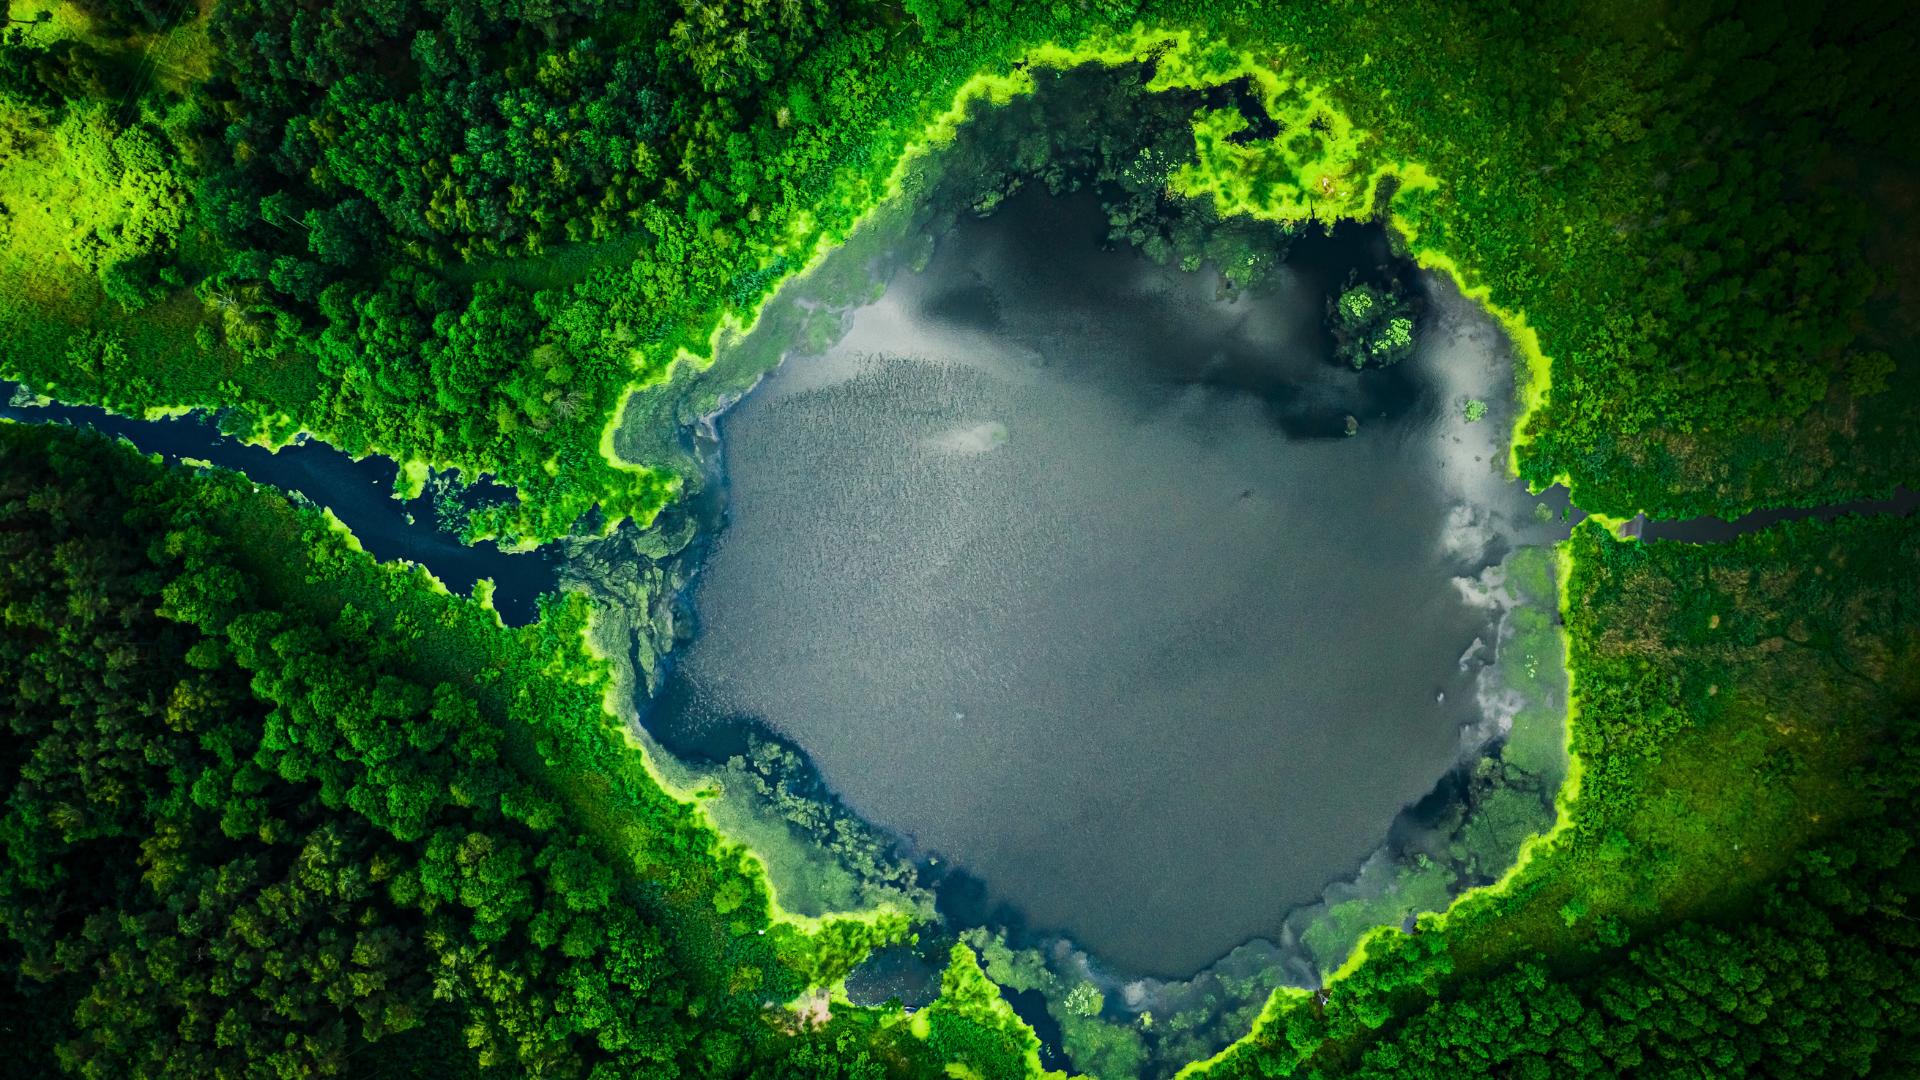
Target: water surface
[[358, 492], [1060, 565]]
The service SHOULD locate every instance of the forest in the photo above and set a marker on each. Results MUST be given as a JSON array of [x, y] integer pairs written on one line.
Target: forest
[[274, 808], [223, 181], [252, 830]]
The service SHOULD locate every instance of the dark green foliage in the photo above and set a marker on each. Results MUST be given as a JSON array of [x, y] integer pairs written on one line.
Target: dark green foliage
[[1372, 327], [1823, 979], [201, 874], [200, 913], [45, 77], [1696, 208], [1702, 211], [413, 123], [971, 1024], [1705, 211], [1745, 725], [243, 840]]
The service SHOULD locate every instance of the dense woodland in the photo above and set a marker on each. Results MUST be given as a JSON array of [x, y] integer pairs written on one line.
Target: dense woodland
[[271, 809], [315, 210], [1734, 882], [245, 836]]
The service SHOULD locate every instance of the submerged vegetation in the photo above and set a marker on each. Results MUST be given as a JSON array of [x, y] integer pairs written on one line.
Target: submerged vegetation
[[333, 295], [1742, 717], [273, 808], [1371, 327], [274, 812]]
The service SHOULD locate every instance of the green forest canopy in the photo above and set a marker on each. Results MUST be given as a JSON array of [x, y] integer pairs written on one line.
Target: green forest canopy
[[1700, 213], [459, 234], [256, 827]]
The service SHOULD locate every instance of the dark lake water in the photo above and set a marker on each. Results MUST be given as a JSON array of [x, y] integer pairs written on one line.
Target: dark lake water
[[1061, 565], [360, 494], [1712, 530]]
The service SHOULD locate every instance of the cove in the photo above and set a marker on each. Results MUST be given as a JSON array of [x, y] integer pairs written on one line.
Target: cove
[[1061, 566], [359, 493]]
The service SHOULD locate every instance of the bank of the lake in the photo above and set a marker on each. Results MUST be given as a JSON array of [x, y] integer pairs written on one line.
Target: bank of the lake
[[1255, 357]]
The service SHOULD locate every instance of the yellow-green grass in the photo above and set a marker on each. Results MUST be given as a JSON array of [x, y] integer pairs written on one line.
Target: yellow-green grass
[[1736, 687], [541, 687]]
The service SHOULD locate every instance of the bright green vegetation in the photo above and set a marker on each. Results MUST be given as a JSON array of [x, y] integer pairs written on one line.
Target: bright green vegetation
[[341, 177], [1097, 1047], [268, 802], [819, 857], [1506, 796], [1742, 710], [271, 807], [1372, 327], [972, 1026]]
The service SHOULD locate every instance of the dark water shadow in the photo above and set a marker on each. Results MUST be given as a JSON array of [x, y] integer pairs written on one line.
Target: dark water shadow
[[359, 493], [1713, 530]]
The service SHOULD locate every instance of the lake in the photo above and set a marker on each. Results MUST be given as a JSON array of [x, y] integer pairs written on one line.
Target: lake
[[1061, 566]]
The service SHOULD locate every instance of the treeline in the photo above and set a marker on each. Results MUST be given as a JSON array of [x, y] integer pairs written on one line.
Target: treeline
[[245, 839], [1816, 976], [1732, 891], [1699, 210], [1690, 210], [1819, 981]]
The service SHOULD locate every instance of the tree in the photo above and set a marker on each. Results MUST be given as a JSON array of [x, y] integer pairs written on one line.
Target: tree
[[244, 841], [1372, 327]]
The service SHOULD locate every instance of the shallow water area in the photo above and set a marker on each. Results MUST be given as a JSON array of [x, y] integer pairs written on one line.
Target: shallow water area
[[1060, 565], [358, 493]]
